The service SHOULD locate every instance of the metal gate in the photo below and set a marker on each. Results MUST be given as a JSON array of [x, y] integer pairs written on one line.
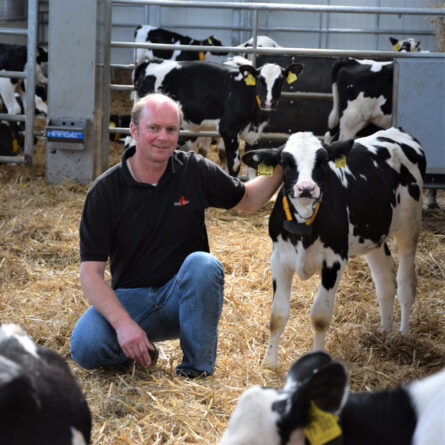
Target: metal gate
[[30, 75], [285, 53]]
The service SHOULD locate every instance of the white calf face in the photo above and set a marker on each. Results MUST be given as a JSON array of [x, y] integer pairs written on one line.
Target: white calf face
[[303, 160], [254, 421], [270, 80]]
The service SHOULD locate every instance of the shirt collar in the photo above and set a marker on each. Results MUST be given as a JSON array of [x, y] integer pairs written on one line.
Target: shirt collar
[[174, 164]]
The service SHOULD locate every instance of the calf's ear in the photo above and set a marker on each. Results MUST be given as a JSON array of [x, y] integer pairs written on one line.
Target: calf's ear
[[338, 149], [267, 156], [327, 387], [292, 72]]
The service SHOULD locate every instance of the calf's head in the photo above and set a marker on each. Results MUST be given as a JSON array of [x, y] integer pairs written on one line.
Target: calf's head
[[305, 161], [314, 392], [268, 81], [405, 45]]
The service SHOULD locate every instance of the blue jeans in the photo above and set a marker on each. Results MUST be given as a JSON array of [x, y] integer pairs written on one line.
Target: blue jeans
[[187, 307]]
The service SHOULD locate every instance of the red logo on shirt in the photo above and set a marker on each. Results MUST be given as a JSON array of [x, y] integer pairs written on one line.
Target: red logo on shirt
[[182, 202]]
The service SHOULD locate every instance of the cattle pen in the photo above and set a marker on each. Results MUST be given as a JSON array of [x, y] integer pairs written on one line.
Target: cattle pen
[[40, 291]]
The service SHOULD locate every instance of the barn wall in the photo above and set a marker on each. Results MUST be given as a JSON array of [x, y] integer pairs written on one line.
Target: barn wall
[[290, 29]]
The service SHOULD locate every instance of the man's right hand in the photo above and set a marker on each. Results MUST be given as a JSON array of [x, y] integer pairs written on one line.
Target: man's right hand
[[134, 343]]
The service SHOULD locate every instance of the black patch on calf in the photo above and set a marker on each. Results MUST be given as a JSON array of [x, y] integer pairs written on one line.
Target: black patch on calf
[[46, 402], [329, 275], [385, 418]]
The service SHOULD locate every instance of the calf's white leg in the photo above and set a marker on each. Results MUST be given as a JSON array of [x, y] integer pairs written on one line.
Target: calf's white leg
[[382, 267], [406, 276], [323, 305], [282, 283]]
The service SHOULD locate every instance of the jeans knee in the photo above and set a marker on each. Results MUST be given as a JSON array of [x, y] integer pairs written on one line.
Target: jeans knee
[[205, 265]]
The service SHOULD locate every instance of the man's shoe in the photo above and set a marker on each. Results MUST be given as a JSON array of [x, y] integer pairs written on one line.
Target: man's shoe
[[154, 356], [191, 373]]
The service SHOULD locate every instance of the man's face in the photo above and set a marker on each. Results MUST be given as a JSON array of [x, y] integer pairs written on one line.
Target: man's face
[[157, 133]]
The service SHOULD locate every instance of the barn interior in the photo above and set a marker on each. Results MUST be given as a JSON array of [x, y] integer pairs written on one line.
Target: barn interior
[[43, 189]]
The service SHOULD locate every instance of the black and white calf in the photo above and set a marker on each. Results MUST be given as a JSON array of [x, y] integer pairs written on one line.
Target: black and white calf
[[152, 34], [362, 94], [40, 401], [405, 45], [9, 138], [339, 201], [314, 404], [232, 101], [262, 42], [14, 58]]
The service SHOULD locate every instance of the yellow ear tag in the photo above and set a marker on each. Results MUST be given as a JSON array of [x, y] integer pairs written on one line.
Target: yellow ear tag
[[201, 56], [396, 46], [340, 162], [265, 170], [112, 125], [322, 428], [291, 77], [210, 41], [15, 145], [250, 80]]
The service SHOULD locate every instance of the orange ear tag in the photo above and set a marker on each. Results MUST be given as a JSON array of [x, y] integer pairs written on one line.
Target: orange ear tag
[[201, 55], [15, 146]]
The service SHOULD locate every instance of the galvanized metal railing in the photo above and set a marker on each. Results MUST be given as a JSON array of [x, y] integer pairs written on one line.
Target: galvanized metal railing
[[255, 50], [30, 75]]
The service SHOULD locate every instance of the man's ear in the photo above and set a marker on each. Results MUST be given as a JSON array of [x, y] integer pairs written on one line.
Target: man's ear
[[267, 156], [338, 149], [133, 130]]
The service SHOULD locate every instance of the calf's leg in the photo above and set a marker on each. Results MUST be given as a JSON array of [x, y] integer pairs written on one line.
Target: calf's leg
[[382, 267], [323, 305], [282, 284]]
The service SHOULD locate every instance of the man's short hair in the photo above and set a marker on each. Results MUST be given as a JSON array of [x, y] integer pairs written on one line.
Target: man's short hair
[[155, 98]]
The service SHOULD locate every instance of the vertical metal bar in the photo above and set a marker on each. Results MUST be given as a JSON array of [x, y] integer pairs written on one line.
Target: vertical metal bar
[[146, 14], [105, 96], [377, 27], [30, 81], [328, 24], [255, 35], [158, 16], [395, 93]]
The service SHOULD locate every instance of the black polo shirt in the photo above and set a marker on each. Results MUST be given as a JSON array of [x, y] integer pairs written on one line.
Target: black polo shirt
[[147, 231]]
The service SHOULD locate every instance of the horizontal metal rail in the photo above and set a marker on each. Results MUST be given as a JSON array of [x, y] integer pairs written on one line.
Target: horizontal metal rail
[[212, 134], [282, 51], [13, 117], [14, 159], [269, 29], [287, 7], [14, 31], [13, 74]]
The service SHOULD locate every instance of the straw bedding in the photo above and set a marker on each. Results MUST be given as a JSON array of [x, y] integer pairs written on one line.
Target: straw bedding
[[39, 289]]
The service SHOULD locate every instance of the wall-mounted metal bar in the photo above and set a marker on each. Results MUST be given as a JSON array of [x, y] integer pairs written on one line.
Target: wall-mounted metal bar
[[281, 51], [287, 7]]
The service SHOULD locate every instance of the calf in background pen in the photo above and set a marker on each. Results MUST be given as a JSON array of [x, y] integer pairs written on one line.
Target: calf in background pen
[[40, 401], [315, 405], [219, 97], [14, 58], [339, 201], [152, 34], [362, 98]]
